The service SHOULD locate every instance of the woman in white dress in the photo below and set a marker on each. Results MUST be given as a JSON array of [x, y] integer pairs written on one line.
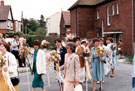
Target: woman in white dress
[[109, 56], [112, 56], [11, 64]]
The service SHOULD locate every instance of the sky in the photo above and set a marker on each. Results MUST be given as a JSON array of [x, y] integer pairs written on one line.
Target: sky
[[34, 8]]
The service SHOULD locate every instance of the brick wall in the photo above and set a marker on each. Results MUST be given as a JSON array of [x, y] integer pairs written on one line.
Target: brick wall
[[134, 20], [61, 25], [82, 18], [85, 19], [14, 27], [122, 22], [3, 31], [73, 20]]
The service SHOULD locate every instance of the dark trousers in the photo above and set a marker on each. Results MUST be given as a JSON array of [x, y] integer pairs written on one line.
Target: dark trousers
[[133, 82], [16, 54]]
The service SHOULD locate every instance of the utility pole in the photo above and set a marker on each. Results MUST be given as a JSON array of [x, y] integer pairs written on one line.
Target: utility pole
[[22, 21]]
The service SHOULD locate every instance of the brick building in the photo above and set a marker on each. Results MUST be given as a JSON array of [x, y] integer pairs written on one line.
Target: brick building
[[105, 18], [64, 23], [17, 26]]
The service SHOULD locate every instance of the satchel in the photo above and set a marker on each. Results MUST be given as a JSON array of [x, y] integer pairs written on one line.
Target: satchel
[[15, 81]]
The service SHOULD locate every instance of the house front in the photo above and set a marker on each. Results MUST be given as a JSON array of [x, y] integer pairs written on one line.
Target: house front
[[52, 24], [104, 18], [6, 18], [65, 23]]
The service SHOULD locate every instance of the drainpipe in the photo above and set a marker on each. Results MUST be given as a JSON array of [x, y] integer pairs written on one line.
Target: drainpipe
[[132, 27]]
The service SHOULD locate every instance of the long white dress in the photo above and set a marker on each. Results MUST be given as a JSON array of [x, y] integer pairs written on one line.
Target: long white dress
[[108, 59]]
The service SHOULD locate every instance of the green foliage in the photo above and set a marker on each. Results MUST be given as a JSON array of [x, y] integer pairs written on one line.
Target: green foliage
[[33, 25], [40, 32], [42, 22], [18, 33], [30, 39], [31, 32], [129, 58]]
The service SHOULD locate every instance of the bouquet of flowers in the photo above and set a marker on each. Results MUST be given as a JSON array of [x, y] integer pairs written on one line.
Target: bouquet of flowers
[[86, 52], [2, 61], [55, 57], [24, 51], [101, 52], [45, 44], [69, 37]]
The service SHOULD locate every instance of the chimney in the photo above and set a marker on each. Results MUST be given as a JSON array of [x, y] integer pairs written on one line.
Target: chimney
[[2, 3]]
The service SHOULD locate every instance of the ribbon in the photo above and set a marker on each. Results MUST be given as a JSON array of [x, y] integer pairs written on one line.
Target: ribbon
[[29, 64], [7, 80], [87, 69], [28, 80], [88, 72], [57, 67]]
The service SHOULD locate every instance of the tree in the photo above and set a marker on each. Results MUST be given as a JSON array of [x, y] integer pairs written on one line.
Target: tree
[[42, 22], [33, 25], [25, 24]]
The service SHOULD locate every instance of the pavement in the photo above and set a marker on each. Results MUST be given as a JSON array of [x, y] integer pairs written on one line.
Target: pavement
[[121, 82]]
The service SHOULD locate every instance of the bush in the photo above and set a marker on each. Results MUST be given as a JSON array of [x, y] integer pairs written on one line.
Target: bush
[[30, 39], [51, 39], [40, 32], [129, 58], [18, 33]]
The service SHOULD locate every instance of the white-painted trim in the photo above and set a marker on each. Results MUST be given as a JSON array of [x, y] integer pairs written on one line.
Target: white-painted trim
[[113, 32], [102, 28], [108, 16]]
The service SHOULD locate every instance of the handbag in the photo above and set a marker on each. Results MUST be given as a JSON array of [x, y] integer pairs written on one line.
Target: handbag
[[78, 88], [15, 81]]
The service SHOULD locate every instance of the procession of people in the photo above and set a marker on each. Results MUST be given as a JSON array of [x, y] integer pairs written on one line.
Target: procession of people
[[75, 60]]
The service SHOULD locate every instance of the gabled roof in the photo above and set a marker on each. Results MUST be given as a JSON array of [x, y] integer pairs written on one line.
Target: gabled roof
[[4, 12], [66, 16], [87, 3]]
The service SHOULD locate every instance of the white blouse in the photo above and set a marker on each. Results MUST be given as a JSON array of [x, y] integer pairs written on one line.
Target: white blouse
[[11, 64]]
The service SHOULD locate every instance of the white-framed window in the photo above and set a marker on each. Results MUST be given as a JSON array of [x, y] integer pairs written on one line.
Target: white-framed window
[[8, 24], [117, 7], [108, 16], [98, 14], [102, 28], [113, 11], [11, 24]]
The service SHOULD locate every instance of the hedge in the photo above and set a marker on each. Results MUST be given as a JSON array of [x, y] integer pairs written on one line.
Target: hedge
[[30, 39]]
